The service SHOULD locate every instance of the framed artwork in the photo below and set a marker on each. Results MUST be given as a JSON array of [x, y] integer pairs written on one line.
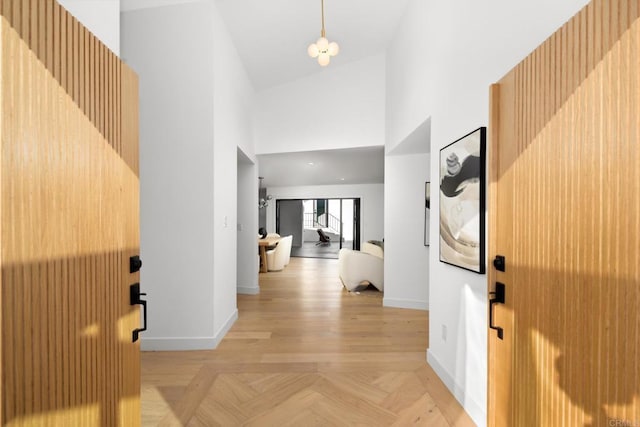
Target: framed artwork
[[427, 202], [462, 202]]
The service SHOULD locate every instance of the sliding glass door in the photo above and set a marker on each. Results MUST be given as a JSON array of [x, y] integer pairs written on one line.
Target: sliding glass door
[[321, 227]]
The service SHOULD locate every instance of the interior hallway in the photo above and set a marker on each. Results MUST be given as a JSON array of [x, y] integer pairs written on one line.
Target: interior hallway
[[304, 352]]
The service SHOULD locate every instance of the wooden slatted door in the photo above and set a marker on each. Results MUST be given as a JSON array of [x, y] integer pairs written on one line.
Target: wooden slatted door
[[565, 213], [69, 223]]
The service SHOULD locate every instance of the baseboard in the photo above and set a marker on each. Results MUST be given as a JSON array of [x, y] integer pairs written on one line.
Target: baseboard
[[248, 290], [477, 413], [177, 343], [405, 303], [191, 343], [226, 326]]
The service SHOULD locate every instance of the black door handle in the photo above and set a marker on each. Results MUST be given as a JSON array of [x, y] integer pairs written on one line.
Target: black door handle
[[134, 295], [135, 264], [498, 298]]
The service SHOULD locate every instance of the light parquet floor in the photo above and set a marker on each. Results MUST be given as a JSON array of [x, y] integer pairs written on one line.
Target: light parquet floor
[[304, 352]]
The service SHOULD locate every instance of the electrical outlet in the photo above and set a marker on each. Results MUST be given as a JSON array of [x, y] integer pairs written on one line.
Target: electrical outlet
[[444, 332], [226, 224]]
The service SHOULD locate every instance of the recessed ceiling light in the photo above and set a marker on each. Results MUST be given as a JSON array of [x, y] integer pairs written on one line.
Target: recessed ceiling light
[[310, 163], [341, 179]]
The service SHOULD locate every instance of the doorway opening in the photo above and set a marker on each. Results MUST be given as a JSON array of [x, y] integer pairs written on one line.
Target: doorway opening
[[320, 227]]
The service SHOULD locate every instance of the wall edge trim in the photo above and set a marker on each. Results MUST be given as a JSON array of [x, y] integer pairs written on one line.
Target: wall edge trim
[[405, 303], [248, 290], [188, 343], [477, 413]]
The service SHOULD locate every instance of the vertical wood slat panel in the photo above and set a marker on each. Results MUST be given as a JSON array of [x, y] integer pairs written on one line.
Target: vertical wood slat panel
[[118, 107], [111, 79], [42, 31], [49, 34], [2, 297], [14, 14], [64, 76], [101, 86], [129, 140], [56, 41], [129, 117], [66, 89], [57, 38], [71, 83], [81, 71], [91, 65], [493, 167], [30, 14], [86, 72], [576, 240], [75, 56]]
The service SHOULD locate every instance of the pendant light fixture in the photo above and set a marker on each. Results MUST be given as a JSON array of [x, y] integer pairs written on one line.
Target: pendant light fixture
[[263, 202], [322, 49]]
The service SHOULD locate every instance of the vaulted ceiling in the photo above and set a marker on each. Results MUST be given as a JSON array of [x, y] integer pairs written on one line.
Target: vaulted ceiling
[[272, 36]]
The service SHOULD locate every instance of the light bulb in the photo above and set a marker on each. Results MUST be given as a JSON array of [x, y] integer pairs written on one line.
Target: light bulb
[[334, 49], [313, 50], [324, 59], [323, 44]]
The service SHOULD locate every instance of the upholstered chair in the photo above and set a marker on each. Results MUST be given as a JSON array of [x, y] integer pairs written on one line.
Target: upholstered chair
[[359, 268], [279, 257]]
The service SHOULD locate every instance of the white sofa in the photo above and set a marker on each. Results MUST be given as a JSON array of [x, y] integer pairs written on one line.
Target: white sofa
[[366, 265], [279, 257]]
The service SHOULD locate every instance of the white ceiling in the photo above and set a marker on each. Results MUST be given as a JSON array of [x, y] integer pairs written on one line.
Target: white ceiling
[[329, 167], [129, 5], [272, 36]]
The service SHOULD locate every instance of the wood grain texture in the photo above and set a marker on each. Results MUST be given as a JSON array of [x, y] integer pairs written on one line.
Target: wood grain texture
[[69, 220], [304, 352], [2, 300], [565, 209], [57, 39]]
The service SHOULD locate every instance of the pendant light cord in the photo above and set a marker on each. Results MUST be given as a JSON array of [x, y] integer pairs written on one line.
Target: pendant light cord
[[323, 32]]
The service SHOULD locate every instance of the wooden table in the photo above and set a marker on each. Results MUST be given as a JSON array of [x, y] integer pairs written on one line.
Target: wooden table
[[262, 245]]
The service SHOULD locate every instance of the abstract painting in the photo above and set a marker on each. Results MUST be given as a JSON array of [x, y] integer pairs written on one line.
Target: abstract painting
[[462, 202]]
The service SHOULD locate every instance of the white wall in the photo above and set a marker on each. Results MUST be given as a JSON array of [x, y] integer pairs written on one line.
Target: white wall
[[340, 107], [371, 204], [404, 223], [193, 116], [232, 101], [176, 170], [247, 225], [440, 65], [101, 17]]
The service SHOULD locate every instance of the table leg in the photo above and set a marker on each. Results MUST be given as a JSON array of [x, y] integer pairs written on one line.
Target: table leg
[[263, 257]]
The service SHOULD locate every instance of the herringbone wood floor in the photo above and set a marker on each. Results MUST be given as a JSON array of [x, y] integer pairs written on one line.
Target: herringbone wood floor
[[305, 352]]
